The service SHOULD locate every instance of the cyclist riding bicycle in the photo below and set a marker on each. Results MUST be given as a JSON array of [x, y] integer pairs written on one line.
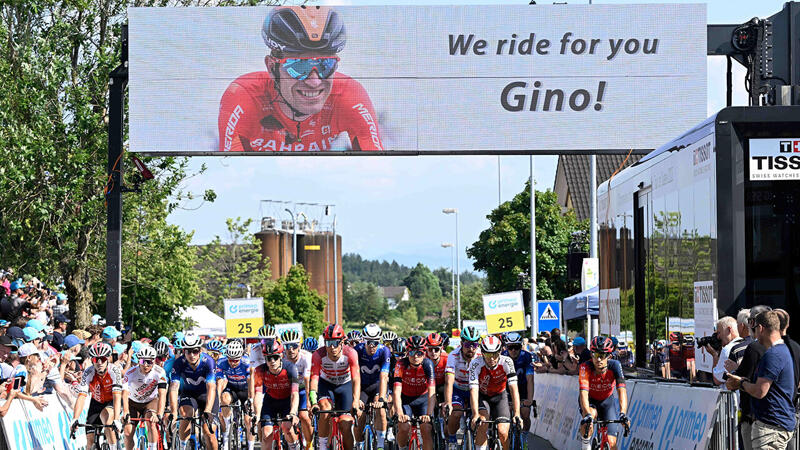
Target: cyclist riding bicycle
[[103, 381], [257, 358], [354, 338], [492, 386], [301, 103], [233, 376], [434, 345], [336, 378], [280, 384], [388, 337], [456, 387], [301, 359], [374, 360], [214, 349], [597, 379], [144, 396], [414, 392], [310, 344], [523, 365], [194, 379]]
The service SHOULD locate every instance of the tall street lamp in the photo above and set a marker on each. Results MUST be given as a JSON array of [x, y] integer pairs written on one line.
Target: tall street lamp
[[458, 275], [452, 269]]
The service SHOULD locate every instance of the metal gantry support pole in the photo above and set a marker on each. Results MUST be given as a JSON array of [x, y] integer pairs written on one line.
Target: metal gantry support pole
[[534, 330], [335, 273], [592, 224], [116, 118], [458, 278]]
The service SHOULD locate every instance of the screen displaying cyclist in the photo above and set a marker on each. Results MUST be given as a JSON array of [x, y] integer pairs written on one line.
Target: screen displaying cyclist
[[374, 360], [292, 353], [456, 388], [280, 383], [597, 379], [144, 395], [492, 387], [335, 377], [414, 392], [523, 365], [103, 381], [300, 103], [233, 376], [194, 378]]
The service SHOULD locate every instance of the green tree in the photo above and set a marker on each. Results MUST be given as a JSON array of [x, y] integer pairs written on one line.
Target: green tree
[[364, 303], [226, 268], [422, 283], [503, 250], [290, 299], [382, 273]]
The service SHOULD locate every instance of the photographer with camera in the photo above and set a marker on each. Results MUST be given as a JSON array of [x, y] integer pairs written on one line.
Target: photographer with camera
[[720, 345]]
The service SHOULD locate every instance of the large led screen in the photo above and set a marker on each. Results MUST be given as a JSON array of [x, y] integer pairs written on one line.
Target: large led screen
[[482, 79]]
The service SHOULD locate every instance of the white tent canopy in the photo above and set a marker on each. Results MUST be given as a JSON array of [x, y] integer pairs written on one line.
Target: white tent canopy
[[206, 322]]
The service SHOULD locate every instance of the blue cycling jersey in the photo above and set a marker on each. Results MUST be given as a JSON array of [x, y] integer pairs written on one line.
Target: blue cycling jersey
[[168, 366], [236, 376], [373, 366], [523, 365], [193, 380]]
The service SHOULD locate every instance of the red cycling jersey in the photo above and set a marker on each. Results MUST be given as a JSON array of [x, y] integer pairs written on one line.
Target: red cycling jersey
[[492, 381], [338, 372], [601, 385], [414, 381], [101, 387], [250, 119], [440, 367], [280, 386]]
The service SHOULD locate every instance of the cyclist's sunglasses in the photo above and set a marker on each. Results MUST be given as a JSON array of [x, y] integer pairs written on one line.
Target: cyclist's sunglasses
[[291, 346], [193, 351], [470, 344], [301, 68], [147, 362], [100, 359], [273, 357], [435, 349], [373, 343], [333, 342], [602, 355], [491, 355], [416, 353], [515, 347]]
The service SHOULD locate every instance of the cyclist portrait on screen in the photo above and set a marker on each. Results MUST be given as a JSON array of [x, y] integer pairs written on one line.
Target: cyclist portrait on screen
[[300, 103]]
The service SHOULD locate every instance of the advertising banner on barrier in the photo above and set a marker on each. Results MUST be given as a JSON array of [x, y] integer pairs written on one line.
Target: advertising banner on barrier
[[557, 400], [27, 428], [419, 79]]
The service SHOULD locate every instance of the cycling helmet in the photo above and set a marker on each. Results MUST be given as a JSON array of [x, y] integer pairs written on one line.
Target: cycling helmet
[[371, 332], [434, 340], [445, 339], [388, 336], [146, 352], [161, 348], [267, 331], [601, 344], [354, 335], [310, 344], [290, 336], [298, 29], [513, 338], [191, 340], [235, 350], [271, 347], [470, 334], [416, 343], [622, 345], [399, 346], [491, 344], [100, 350], [333, 331], [177, 335], [215, 346]]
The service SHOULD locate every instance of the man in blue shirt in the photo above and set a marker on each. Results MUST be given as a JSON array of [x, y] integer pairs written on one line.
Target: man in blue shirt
[[374, 360], [771, 388]]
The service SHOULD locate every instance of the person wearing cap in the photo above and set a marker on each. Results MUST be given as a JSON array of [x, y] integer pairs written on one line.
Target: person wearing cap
[[581, 350], [61, 305], [60, 331], [31, 366], [72, 348], [110, 335], [4, 324]]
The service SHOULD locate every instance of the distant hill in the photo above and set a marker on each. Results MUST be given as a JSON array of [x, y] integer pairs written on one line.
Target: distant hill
[[381, 273]]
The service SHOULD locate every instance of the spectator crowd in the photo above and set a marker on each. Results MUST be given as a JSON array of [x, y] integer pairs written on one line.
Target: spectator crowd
[[553, 352]]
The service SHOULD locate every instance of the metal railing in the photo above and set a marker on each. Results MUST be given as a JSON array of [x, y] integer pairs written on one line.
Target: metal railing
[[724, 435]]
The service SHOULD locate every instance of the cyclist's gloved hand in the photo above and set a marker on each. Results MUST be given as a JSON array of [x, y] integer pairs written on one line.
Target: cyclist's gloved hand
[[126, 418], [208, 417], [74, 425], [117, 426], [586, 419], [248, 405], [624, 418]]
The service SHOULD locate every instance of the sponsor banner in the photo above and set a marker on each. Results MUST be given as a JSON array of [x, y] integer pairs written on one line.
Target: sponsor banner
[[609, 312], [504, 312], [243, 316], [705, 319], [667, 416], [421, 79], [479, 325], [281, 327], [590, 273], [27, 428], [775, 159]]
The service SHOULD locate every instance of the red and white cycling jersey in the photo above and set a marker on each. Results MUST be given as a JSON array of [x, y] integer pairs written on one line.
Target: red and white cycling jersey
[[303, 366], [341, 371], [101, 387], [458, 366], [144, 388], [492, 381], [250, 119]]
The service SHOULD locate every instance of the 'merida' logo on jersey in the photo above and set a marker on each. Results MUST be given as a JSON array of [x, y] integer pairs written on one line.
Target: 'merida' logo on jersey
[[229, 129], [373, 129]]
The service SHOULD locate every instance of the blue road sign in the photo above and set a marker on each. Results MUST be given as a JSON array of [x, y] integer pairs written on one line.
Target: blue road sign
[[548, 315]]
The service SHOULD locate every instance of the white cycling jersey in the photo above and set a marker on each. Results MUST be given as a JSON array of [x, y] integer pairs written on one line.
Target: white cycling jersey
[[303, 366], [458, 366], [144, 388]]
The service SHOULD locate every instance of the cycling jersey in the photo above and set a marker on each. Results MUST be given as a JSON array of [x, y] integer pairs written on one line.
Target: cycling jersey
[[439, 367], [341, 371], [415, 381], [280, 386], [256, 356], [458, 366], [373, 366], [491, 381], [303, 367], [600, 385], [101, 387], [193, 380], [251, 120], [236, 376], [143, 388], [523, 365]]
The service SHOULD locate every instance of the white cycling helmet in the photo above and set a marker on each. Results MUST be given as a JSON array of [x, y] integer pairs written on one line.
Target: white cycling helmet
[[491, 344], [234, 350], [146, 352], [191, 340], [371, 332]]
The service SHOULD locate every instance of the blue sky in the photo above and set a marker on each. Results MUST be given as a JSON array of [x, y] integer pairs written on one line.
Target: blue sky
[[390, 207]]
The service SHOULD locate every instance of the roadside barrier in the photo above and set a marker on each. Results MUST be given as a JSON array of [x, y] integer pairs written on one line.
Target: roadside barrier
[[26, 428], [663, 415]]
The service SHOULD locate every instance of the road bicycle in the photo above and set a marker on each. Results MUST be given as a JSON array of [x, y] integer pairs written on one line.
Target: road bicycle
[[195, 441], [99, 437], [492, 435], [140, 434], [468, 437], [439, 436], [516, 438], [335, 442], [278, 440], [370, 437], [237, 436], [600, 438], [414, 434]]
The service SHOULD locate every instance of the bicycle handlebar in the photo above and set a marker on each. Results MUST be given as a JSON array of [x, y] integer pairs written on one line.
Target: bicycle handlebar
[[92, 427]]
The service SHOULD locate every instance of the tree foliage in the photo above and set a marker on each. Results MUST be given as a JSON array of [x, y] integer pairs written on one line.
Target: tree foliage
[[381, 273], [290, 299], [503, 250], [364, 303], [422, 283]]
